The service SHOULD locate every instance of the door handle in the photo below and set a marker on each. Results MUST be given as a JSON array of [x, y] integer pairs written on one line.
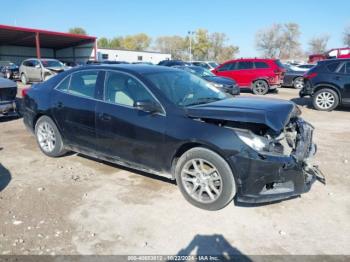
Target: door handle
[[105, 117], [337, 78], [59, 104]]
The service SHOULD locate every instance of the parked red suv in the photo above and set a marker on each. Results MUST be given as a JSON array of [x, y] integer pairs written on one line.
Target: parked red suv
[[259, 75]]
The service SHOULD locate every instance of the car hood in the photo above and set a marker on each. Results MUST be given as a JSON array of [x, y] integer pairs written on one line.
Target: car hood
[[56, 69], [220, 80], [273, 113], [5, 83]]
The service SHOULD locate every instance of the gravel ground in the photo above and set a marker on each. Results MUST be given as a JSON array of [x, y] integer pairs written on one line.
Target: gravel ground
[[77, 205]]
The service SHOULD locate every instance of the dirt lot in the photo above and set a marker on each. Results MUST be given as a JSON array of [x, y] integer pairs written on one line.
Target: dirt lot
[[77, 205]]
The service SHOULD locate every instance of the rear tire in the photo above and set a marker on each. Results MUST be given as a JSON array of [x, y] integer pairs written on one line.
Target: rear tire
[[49, 138], [260, 87], [205, 179], [298, 83], [325, 99], [24, 79]]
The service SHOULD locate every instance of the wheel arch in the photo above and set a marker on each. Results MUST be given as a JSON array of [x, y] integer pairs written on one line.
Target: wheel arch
[[192, 144]]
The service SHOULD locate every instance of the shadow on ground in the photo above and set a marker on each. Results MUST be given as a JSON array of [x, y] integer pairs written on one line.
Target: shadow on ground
[[215, 246], [5, 177]]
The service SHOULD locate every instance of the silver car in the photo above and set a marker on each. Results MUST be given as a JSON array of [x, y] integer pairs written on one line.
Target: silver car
[[39, 70]]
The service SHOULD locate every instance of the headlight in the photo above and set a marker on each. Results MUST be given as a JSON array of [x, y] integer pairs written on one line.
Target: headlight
[[258, 143], [218, 85]]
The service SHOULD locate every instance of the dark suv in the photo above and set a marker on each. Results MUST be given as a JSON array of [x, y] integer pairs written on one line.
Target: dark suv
[[328, 84]]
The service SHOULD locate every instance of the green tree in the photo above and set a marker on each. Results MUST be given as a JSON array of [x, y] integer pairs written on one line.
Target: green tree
[[226, 53], [103, 42], [137, 42], [175, 45], [77, 30], [116, 42], [201, 45]]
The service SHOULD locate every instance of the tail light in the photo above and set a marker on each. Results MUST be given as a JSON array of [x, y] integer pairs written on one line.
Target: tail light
[[309, 75], [24, 91]]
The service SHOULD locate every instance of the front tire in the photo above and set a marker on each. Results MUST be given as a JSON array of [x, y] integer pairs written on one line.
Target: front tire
[[24, 79], [205, 179], [49, 138], [325, 99], [260, 87]]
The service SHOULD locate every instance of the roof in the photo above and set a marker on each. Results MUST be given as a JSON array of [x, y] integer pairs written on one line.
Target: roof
[[134, 68], [129, 50], [21, 36]]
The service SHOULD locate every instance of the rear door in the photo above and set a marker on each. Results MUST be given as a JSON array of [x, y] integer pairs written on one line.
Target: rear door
[[74, 103], [345, 79], [36, 70], [245, 73], [125, 132]]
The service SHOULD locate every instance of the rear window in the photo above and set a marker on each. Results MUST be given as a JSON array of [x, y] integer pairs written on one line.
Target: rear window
[[261, 65], [279, 64], [333, 67]]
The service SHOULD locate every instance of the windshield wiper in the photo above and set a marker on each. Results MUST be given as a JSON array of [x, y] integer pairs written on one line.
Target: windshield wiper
[[204, 100]]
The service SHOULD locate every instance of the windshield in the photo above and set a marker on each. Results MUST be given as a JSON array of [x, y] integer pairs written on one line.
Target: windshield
[[213, 64], [200, 71], [185, 89], [51, 63]]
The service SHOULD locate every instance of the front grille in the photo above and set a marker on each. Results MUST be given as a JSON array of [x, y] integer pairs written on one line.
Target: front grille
[[8, 94]]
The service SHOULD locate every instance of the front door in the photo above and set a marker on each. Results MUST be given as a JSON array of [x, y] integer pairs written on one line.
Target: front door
[[125, 132]]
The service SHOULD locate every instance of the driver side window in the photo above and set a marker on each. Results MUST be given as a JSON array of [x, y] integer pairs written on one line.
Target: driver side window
[[125, 90]]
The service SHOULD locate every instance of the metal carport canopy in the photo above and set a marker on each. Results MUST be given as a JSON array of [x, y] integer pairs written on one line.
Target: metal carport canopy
[[28, 37]]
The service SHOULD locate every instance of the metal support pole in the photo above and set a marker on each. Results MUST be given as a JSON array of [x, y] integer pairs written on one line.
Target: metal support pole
[[37, 45]]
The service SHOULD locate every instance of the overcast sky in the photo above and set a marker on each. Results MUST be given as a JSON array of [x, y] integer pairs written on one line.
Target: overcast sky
[[240, 20]]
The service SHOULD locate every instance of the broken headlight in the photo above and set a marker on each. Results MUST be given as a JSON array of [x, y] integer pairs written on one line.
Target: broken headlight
[[262, 144]]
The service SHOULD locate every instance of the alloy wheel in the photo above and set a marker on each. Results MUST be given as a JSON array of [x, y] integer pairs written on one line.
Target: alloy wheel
[[201, 180], [46, 137], [260, 87], [325, 100], [299, 83]]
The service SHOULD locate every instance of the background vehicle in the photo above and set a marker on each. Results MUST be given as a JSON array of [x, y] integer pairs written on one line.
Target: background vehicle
[[38, 70], [293, 77], [225, 84], [328, 84], [173, 63], [172, 123], [259, 75], [8, 92], [206, 64], [9, 70], [331, 54]]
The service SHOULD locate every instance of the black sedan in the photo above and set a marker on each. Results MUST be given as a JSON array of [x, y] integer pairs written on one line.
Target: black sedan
[[8, 92], [174, 124], [293, 78], [225, 84], [9, 70]]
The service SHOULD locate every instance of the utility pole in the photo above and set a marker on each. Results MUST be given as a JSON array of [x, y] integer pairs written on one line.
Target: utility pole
[[190, 34]]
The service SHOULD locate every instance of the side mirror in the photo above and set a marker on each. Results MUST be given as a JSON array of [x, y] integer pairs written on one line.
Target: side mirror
[[148, 106]]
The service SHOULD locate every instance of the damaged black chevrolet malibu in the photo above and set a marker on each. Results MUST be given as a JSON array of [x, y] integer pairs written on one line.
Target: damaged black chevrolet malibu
[[172, 123]]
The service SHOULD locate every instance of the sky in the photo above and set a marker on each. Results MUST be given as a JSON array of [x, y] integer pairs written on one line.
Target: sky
[[239, 20]]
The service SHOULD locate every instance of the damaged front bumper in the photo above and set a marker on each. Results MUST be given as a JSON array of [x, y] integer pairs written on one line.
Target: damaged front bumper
[[268, 178]]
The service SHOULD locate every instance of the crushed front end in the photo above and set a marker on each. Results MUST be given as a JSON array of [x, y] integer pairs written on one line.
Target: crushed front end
[[280, 170]]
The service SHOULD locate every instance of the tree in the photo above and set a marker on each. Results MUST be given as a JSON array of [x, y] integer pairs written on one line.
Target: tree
[[318, 45], [175, 45], [77, 30], [201, 45], [346, 37], [227, 53], [137, 42], [279, 41], [103, 42]]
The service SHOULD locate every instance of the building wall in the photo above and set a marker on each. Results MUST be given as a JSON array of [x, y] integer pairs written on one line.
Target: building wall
[[80, 54], [17, 54], [130, 56]]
